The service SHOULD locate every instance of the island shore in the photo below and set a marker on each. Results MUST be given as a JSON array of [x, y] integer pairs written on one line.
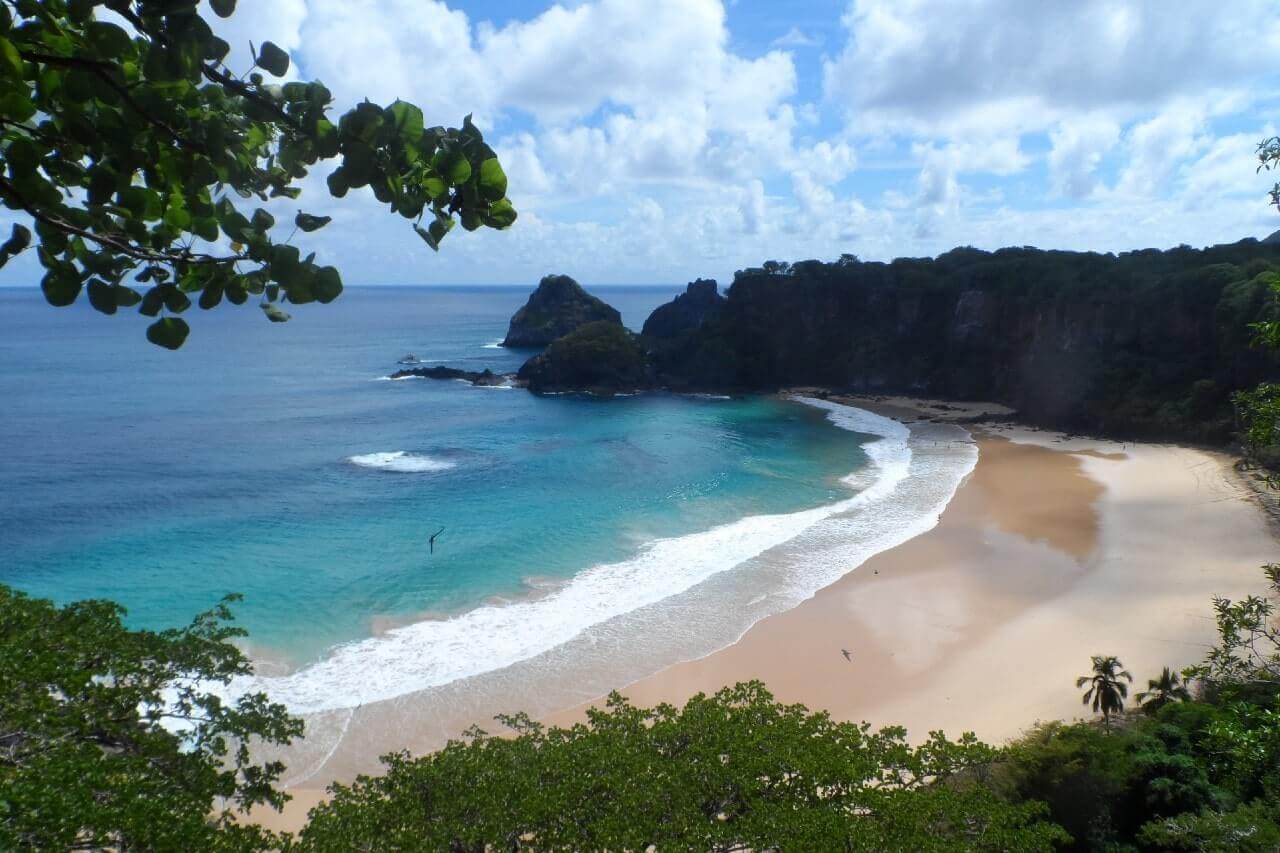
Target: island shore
[[1053, 549]]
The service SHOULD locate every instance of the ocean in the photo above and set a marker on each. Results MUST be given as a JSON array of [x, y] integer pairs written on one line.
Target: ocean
[[278, 461]]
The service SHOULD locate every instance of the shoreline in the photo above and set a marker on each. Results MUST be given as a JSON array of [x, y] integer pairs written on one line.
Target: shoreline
[[1054, 549], [1030, 569]]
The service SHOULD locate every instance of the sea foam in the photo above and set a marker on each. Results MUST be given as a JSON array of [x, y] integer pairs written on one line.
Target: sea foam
[[603, 606], [401, 461]]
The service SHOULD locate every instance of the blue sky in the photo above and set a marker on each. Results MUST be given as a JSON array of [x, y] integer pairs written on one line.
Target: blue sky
[[666, 140]]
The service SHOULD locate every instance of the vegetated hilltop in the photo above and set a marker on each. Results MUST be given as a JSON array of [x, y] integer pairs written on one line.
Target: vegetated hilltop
[[1147, 343], [557, 307]]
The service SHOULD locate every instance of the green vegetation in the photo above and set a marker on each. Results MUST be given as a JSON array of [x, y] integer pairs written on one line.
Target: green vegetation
[[88, 754], [130, 147], [1169, 687], [599, 357], [1107, 689], [731, 772]]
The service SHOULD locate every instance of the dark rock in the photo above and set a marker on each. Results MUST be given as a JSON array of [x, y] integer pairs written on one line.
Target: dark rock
[[700, 303], [555, 309], [484, 377], [598, 358]]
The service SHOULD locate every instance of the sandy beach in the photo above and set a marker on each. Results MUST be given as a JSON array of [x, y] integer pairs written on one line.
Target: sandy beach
[[1052, 550]]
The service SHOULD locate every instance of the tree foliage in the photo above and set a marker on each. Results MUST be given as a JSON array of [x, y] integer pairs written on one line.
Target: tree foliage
[[107, 739], [1107, 688], [1169, 687], [733, 771], [132, 149]]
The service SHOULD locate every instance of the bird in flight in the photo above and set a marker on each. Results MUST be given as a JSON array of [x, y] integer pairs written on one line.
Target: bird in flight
[[846, 654], [432, 540]]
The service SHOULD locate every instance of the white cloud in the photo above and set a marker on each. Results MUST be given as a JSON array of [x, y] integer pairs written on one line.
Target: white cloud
[[1007, 65], [1078, 148]]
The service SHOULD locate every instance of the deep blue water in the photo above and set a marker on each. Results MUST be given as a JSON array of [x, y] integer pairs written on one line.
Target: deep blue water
[[166, 479]]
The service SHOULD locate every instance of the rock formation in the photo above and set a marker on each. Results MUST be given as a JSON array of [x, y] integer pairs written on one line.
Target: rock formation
[[1143, 344], [484, 377], [598, 358], [700, 303], [555, 309]]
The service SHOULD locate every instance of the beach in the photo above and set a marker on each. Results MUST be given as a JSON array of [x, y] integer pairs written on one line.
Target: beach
[[1053, 549]]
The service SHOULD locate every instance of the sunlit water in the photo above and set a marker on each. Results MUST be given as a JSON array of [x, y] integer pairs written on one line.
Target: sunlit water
[[278, 462]]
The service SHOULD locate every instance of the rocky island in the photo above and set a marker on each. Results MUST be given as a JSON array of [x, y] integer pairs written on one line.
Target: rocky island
[[557, 307]]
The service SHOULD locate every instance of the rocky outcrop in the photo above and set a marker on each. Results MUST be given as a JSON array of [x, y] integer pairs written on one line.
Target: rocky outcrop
[[484, 377], [1144, 344], [700, 303], [556, 308], [598, 358]]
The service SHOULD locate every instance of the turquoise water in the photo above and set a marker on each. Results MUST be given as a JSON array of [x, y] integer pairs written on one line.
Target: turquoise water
[[165, 480]]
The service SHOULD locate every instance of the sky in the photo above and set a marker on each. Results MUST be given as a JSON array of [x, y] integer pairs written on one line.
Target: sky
[[658, 141]]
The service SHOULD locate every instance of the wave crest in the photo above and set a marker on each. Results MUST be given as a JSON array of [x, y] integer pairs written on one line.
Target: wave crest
[[402, 462]]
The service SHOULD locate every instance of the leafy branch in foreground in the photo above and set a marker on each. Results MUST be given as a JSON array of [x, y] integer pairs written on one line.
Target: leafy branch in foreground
[[89, 757], [128, 146], [1248, 649], [734, 771]]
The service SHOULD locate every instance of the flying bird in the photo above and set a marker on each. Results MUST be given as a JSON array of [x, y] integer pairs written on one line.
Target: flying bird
[[846, 654], [432, 540]]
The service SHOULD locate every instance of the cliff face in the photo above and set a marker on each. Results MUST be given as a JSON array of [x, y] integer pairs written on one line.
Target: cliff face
[[700, 303], [1145, 344], [556, 308]]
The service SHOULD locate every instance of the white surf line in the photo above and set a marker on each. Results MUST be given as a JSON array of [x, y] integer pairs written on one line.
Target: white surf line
[[491, 637]]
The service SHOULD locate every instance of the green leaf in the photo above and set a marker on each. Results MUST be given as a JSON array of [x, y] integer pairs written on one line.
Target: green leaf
[[174, 299], [408, 121], [19, 239], [223, 8], [501, 214], [274, 313], [15, 106], [338, 185], [109, 39], [126, 297], [152, 302], [452, 166], [61, 287], [272, 59], [435, 187], [10, 60], [493, 181], [211, 296], [310, 223], [102, 297], [427, 238], [285, 265], [262, 221], [327, 285], [168, 332]]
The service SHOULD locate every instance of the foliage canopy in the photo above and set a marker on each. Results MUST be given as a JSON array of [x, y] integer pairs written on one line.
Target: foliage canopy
[[733, 771], [90, 751], [130, 146]]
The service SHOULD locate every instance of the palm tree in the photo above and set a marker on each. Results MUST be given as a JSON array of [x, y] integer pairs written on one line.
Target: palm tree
[[1163, 690], [1106, 690]]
